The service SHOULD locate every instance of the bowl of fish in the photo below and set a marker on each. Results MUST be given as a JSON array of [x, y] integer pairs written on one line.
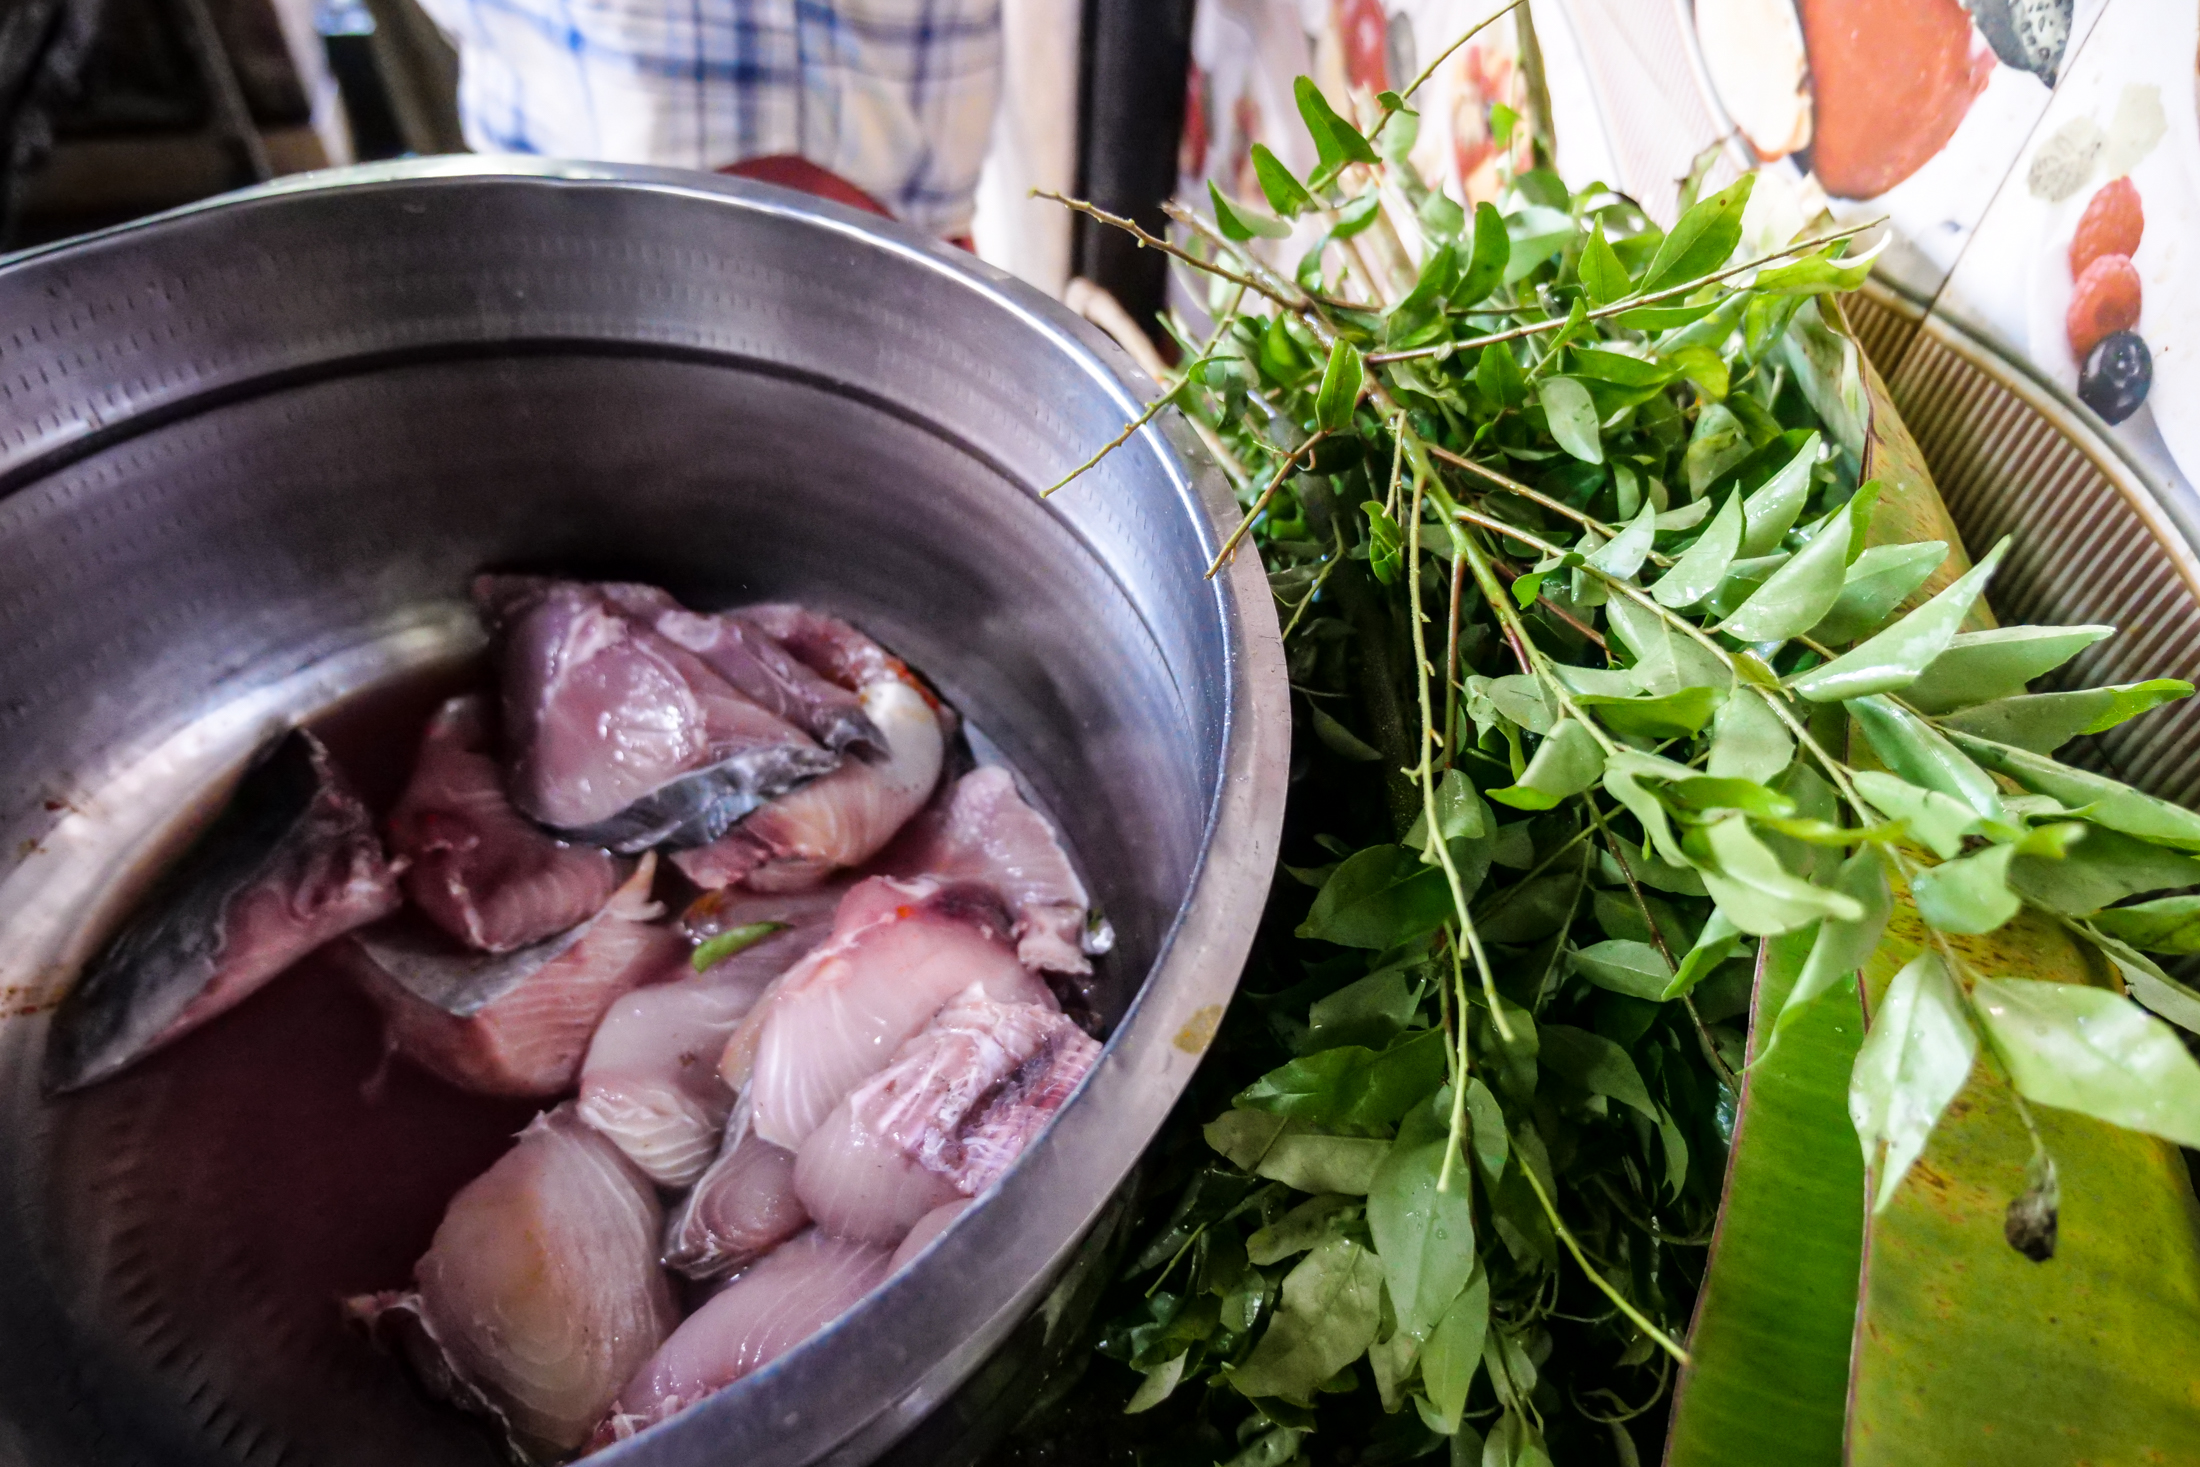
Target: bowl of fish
[[596, 860]]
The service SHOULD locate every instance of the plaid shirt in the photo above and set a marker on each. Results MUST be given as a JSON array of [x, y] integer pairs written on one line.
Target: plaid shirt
[[896, 96]]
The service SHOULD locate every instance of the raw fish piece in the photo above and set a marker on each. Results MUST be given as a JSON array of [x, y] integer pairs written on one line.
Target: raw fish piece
[[483, 873], [899, 951], [541, 1295], [780, 1302], [741, 1209], [928, 1227], [831, 647], [858, 1184], [291, 862], [650, 1081], [952, 1112], [1017, 1112], [743, 654], [619, 737], [984, 832], [515, 1023], [841, 820]]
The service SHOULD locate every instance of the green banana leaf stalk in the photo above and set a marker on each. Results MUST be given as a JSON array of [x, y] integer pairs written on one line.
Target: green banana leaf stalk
[[1645, 699]]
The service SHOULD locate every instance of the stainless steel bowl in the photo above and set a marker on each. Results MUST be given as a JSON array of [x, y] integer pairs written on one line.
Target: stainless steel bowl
[[249, 454]]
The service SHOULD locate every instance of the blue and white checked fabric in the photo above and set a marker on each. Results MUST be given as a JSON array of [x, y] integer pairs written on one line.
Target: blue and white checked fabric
[[896, 96]]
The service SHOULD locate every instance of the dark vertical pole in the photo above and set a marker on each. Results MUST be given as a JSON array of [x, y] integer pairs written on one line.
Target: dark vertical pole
[[1137, 54]]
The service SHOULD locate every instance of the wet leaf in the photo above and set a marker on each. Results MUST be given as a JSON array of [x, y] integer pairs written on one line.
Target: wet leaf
[[1567, 762], [2164, 925], [1423, 1235], [1815, 274], [1634, 968], [1240, 223], [1879, 580], [1338, 739], [1674, 715], [1532, 910], [1383, 547], [1522, 698], [2089, 796], [1748, 741], [1916, 751], [1572, 417], [1915, 1058], [1704, 367], [1933, 819], [1498, 377], [1719, 940], [1327, 1316], [1424, 304], [1620, 369], [1595, 1064], [1342, 382], [1979, 667], [2044, 722], [2149, 985], [2102, 868], [1371, 1012], [1378, 898], [2089, 1050], [1336, 141], [1485, 269], [1757, 893], [1624, 556], [1773, 508], [1533, 235], [1649, 870], [1704, 564], [1969, 894], [1159, 1384], [1602, 275], [1840, 949], [1454, 1352], [1286, 195], [1715, 444], [1796, 596], [1894, 658], [1300, 1229], [1701, 239], [1351, 1085]]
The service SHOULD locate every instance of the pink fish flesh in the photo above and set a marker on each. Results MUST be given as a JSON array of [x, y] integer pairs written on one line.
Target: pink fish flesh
[[860, 1185], [620, 737], [840, 820], [983, 831], [291, 862], [927, 1227], [740, 1209], [952, 1112], [746, 656], [482, 872], [829, 646], [899, 951], [650, 1081], [780, 1302], [541, 1294], [515, 1023]]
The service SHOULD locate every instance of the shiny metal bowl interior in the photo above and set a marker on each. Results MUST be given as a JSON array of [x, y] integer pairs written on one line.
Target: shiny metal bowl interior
[[249, 455]]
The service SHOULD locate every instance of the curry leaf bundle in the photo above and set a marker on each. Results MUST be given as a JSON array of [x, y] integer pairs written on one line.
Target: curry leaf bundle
[[1607, 675]]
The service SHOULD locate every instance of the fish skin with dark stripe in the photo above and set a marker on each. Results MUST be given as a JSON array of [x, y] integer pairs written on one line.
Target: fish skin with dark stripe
[[291, 862]]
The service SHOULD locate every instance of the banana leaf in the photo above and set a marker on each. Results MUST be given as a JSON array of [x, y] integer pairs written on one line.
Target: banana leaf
[[1953, 1346]]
